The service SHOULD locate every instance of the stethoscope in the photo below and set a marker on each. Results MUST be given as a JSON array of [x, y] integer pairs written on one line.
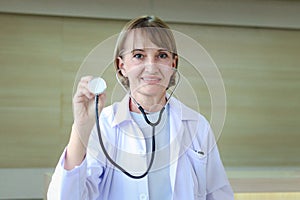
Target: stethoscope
[[99, 86]]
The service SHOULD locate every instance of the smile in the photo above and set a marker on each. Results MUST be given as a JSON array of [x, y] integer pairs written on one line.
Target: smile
[[151, 80]]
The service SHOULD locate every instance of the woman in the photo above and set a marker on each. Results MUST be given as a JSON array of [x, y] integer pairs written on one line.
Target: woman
[[185, 163]]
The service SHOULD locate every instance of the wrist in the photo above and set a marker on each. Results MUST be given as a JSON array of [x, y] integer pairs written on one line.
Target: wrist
[[82, 133]]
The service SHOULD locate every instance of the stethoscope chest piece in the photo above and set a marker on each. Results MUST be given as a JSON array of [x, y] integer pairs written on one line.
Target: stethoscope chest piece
[[97, 85]]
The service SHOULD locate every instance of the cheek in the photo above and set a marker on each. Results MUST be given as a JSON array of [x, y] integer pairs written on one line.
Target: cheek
[[167, 71], [132, 69], [127, 69], [132, 73]]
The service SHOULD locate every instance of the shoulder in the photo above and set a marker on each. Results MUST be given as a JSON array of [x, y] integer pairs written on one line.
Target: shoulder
[[109, 110], [185, 112], [108, 113], [197, 128]]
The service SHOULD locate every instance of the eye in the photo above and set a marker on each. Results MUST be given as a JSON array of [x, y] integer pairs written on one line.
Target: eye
[[138, 55], [163, 55]]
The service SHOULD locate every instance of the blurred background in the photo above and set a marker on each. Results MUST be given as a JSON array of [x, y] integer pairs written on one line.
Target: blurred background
[[255, 44]]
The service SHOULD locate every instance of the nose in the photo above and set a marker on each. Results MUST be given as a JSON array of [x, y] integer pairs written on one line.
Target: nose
[[151, 63], [151, 59]]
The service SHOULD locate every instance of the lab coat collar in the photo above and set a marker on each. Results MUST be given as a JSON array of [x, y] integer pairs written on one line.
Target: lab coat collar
[[122, 113], [182, 111]]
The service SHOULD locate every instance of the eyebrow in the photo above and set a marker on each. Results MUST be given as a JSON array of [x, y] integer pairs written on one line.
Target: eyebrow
[[144, 50], [136, 50]]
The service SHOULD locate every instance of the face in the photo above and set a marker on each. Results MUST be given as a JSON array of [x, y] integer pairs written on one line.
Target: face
[[147, 66]]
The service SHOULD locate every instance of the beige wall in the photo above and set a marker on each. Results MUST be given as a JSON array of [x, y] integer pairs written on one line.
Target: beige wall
[[39, 58], [266, 13]]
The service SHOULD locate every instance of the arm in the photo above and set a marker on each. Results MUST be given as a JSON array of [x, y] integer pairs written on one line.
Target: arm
[[77, 174], [84, 120], [218, 186], [80, 183]]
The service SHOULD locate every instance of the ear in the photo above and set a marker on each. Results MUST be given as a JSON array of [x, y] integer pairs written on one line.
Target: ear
[[175, 61], [120, 64]]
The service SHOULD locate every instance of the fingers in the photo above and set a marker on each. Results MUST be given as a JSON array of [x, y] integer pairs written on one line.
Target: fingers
[[84, 97], [102, 100], [83, 93], [83, 105]]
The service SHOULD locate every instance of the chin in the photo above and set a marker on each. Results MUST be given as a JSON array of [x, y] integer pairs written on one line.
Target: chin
[[153, 90]]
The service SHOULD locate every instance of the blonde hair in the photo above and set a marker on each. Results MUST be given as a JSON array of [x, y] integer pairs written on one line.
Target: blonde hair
[[156, 30]]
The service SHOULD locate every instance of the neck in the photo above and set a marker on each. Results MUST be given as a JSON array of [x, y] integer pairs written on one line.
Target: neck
[[149, 104]]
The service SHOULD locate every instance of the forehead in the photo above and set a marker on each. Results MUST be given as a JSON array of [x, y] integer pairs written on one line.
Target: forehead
[[138, 39]]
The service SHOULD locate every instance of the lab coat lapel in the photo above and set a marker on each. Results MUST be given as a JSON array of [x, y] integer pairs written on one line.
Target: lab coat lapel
[[176, 133], [129, 131], [131, 151], [180, 141]]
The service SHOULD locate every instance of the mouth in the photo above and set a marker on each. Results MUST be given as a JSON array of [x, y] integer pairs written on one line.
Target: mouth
[[151, 80]]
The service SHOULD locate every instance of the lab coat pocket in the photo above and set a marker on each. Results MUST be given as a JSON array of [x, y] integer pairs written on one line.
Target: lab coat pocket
[[198, 161]]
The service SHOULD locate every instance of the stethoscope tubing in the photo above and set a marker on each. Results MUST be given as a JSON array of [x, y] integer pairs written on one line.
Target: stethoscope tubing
[[108, 156], [152, 124]]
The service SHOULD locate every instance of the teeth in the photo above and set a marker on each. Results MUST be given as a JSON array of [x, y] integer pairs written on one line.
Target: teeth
[[150, 79]]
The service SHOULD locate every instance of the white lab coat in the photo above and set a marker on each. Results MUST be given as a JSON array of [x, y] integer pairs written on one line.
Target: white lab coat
[[196, 171]]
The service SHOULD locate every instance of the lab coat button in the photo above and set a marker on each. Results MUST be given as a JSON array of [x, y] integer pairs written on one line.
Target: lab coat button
[[143, 196]]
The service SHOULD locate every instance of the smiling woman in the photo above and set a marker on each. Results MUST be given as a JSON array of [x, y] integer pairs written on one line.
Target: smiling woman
[[171, 156], [40, 56]]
